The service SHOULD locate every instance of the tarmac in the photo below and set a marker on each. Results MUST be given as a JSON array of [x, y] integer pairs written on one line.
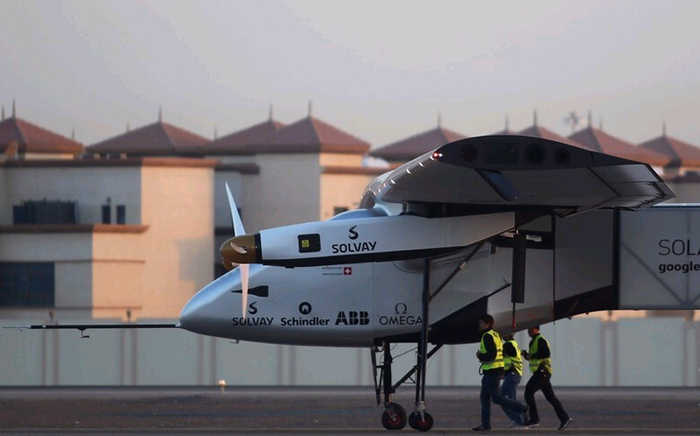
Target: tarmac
[[328, 410]]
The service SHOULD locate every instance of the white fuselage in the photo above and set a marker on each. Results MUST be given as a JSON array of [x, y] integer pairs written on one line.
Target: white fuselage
[[346, 305]]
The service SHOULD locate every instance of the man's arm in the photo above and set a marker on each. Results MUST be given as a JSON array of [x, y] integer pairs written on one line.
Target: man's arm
[[542, 350], [490, 353]]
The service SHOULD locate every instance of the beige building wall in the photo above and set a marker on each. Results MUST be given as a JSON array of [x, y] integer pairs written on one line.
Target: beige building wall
[[5, 205], [285, 192], [178, 206], [88, 186], [341, 190], [42, 156], [237, 182], [341, 159], [118, 274]]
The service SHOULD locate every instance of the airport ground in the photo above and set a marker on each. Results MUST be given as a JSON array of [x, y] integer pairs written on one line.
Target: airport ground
[[328, 410]]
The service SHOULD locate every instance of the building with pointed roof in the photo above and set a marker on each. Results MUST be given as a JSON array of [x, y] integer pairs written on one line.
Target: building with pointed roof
[[312, 135], [25, 140], [409, 148], [506, 128], [541, 132], [156, 139], [247, 140], [598, 140], [680, 153]]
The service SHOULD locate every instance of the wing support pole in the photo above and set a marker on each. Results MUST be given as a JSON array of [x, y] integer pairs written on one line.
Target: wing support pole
[[460, 267]]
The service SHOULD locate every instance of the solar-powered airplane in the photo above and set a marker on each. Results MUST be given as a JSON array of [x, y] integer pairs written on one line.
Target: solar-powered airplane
[[526, 229]]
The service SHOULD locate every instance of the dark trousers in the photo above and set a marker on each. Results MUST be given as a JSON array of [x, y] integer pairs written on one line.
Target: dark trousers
[[540, 381], [508, 390], [490, 390]]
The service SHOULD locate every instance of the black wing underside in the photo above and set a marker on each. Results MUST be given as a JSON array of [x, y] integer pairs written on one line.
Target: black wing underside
[[510, 171]]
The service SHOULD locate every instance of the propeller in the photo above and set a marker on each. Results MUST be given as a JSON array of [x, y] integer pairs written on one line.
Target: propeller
[[235, 245]]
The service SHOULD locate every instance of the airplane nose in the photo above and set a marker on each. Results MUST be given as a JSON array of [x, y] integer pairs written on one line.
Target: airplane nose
[[210, 310], [190, 317], [205, 309]]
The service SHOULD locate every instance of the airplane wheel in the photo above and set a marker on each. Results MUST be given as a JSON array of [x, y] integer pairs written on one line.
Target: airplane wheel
[[415, 421], [394, 417]]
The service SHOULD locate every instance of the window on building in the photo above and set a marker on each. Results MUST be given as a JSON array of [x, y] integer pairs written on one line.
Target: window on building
[[45, 212], [121, 214], [27, 284], [339, 209], [106, 214]]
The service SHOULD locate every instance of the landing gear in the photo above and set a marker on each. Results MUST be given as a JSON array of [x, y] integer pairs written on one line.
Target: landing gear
[[394, 417], [420, 423]]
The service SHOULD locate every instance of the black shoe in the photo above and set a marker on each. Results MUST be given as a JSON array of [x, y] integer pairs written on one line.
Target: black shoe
[[481, 428], [565, 424]]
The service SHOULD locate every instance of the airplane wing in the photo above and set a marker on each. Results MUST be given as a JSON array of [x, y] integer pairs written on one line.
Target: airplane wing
[[510, 172], [96, 326]]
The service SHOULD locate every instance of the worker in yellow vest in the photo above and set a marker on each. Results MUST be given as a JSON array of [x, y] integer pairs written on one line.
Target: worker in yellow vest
[[513, 368], [490, 356], [540, 358]]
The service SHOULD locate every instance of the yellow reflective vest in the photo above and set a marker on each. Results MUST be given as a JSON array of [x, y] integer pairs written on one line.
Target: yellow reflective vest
[[546, 363], [513, 363], [498, 342]]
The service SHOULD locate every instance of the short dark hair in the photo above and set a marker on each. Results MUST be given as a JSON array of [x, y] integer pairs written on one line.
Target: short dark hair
[[488, 319], [535, 327], [508, 337]]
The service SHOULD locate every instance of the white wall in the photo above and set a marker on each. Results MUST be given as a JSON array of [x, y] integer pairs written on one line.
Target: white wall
[[586, 352]]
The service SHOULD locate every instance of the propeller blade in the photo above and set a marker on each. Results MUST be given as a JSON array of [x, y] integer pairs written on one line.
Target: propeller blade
[[244, 268], [238, 228]]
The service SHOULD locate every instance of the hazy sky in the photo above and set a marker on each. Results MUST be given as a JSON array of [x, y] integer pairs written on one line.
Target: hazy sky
[[381, 70]]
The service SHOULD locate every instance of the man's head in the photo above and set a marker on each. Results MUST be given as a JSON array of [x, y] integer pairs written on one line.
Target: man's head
[[533, 331], [508, 337], [485, 322]]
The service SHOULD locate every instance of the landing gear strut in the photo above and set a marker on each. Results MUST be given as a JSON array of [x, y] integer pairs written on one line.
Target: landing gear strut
[[394, 416], [420, 419]]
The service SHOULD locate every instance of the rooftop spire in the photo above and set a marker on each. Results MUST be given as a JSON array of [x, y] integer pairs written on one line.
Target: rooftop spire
[[269, 115], [534, 117], [310, 107], [3, 112], [590, 118], [160, 114], [14, 110], [663, 128], [128, 127], [600, 123], [216, 134], [507, 127], [439, 119], [72, 134]]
